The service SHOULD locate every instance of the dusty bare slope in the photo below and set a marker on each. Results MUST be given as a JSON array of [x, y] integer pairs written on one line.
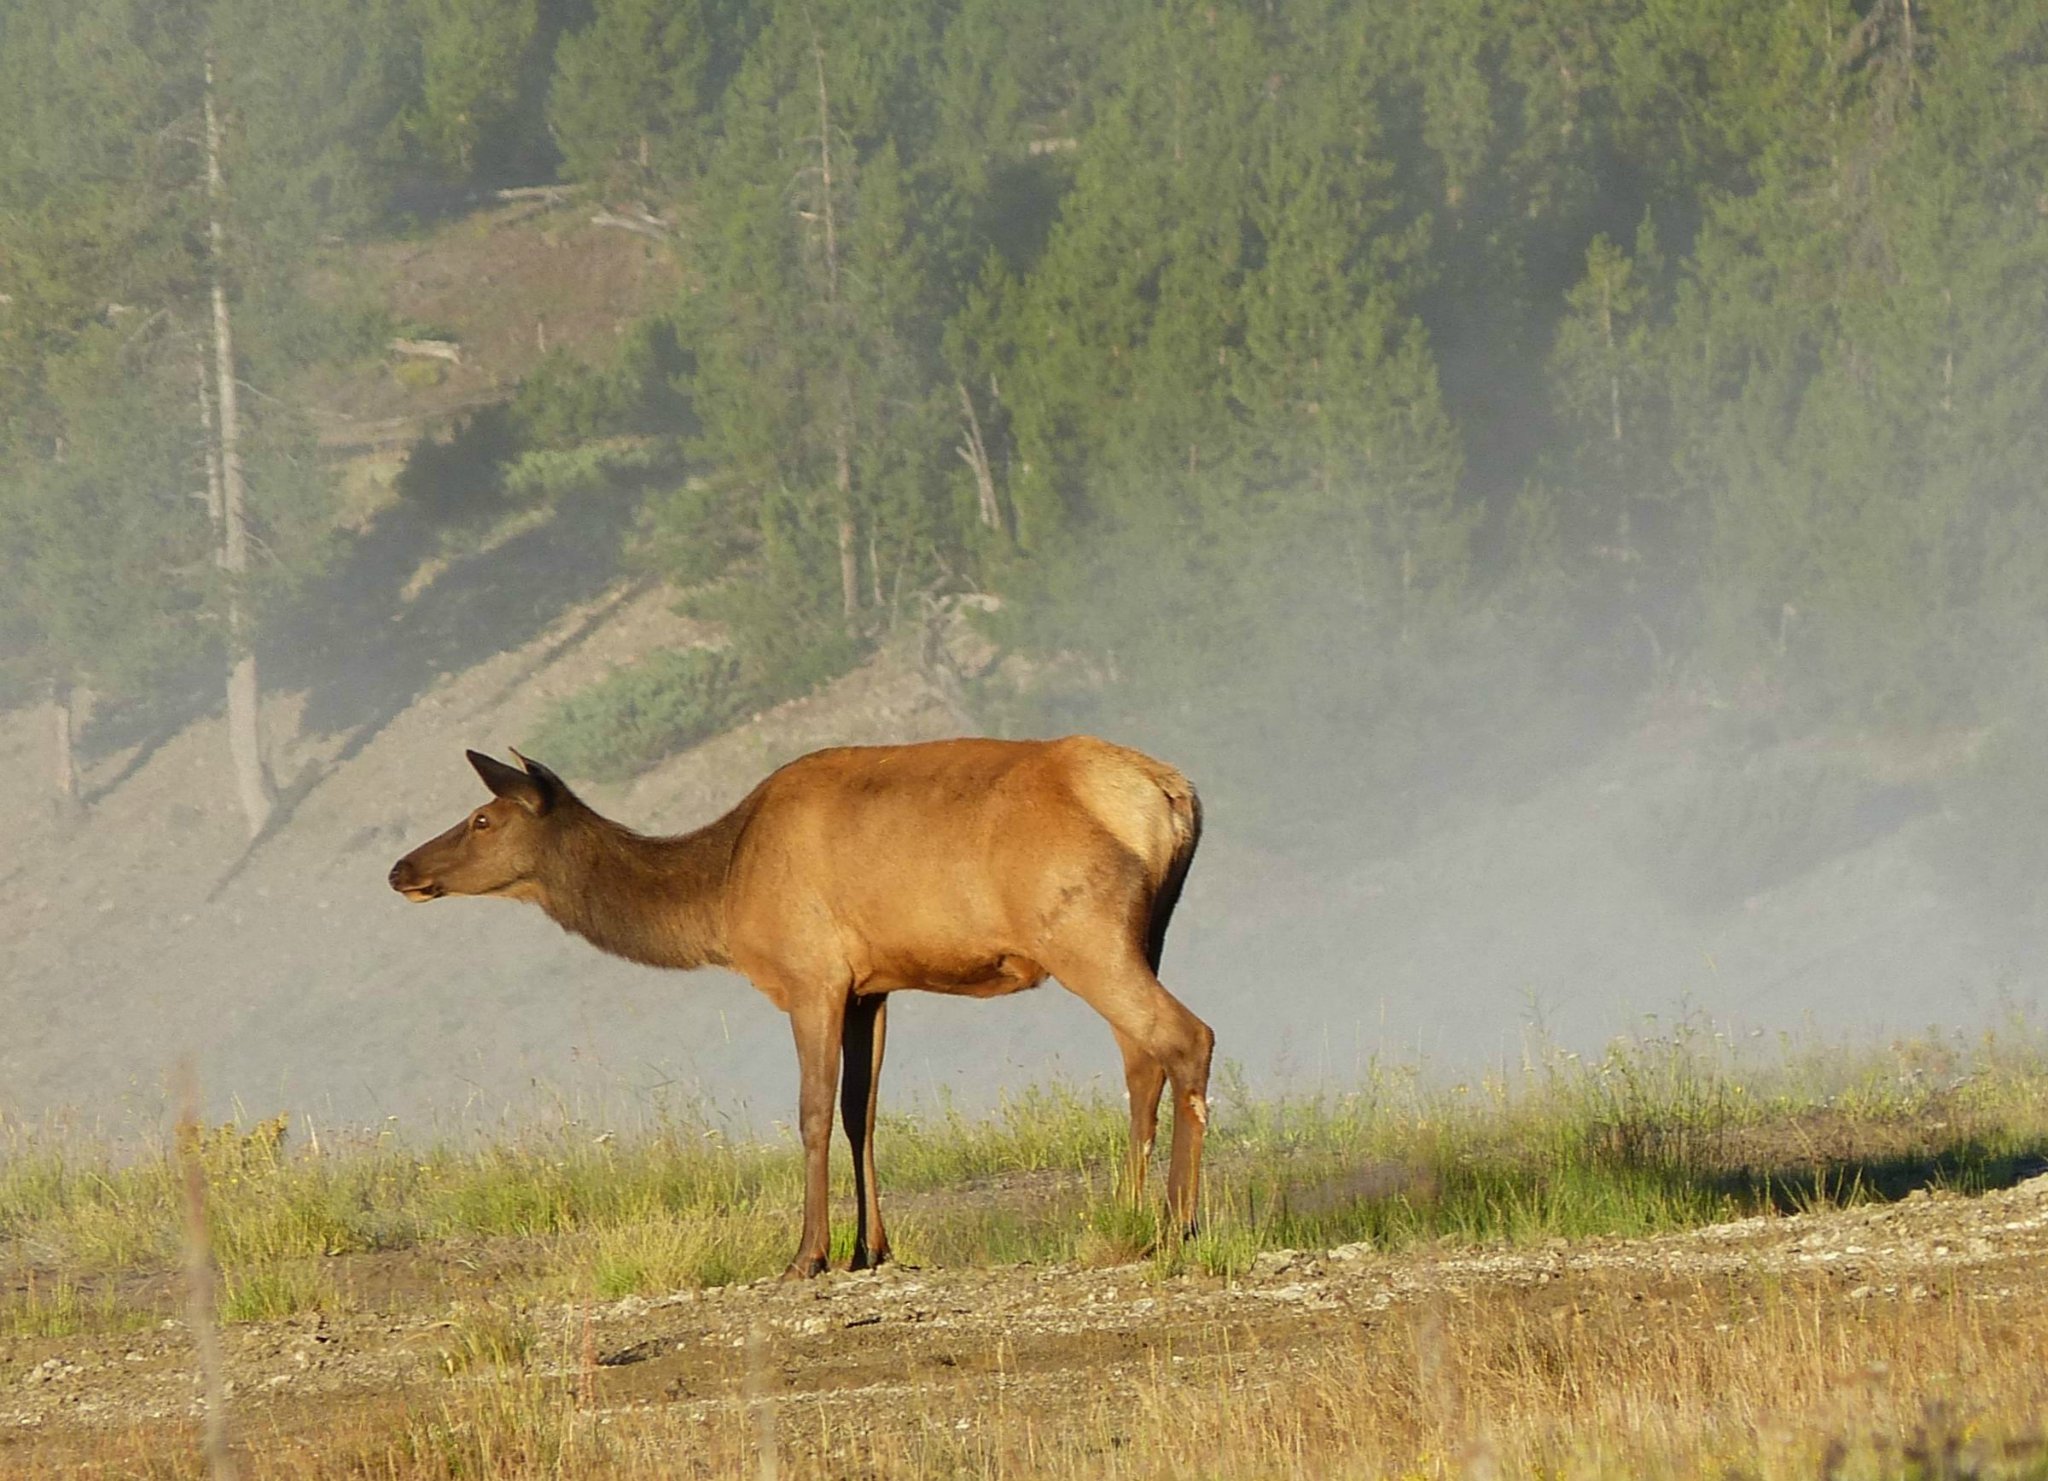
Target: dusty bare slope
[[1069, 1358], [506, 284], [142, 933]]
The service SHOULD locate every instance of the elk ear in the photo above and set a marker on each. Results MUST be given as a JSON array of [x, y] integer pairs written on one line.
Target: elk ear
[[510, 783], [552, 787]]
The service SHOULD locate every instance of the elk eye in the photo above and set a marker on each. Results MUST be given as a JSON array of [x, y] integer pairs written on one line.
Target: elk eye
[[482, 821]]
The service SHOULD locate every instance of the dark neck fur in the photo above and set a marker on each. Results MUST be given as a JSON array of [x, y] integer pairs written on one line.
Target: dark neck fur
[[660, 901]]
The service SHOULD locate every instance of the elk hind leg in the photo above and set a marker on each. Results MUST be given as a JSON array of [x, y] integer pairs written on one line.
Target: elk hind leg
[[1190, 1123], [1146, 1016], [859, 1085], [1144, 1078]]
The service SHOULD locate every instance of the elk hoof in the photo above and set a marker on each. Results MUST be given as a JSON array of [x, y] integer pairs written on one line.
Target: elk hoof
[[803, 1267], [870, 1259]]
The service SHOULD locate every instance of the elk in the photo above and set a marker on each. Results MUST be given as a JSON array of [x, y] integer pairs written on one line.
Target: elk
[[974, 867]]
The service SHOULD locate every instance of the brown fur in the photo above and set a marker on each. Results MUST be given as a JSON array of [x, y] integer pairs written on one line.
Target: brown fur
[[971, 867]]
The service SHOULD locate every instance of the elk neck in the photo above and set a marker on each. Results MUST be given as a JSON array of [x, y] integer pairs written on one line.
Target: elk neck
[[659, 901]]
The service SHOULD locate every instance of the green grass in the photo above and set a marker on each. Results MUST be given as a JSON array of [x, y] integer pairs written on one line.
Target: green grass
[[60, 1308], [638, 714], [269, 1291], [1657, 1134], [488, 1334]]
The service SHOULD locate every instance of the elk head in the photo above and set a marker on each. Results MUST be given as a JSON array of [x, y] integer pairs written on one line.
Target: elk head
[[499, 848]]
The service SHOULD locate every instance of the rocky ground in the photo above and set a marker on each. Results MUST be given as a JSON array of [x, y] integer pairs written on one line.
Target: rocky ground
[[960, 1347]]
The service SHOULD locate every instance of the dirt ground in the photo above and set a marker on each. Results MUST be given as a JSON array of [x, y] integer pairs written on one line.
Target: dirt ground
[[910, 1348], [505, 284]]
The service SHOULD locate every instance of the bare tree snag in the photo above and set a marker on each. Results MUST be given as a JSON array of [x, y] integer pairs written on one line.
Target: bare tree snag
[[646, 226], [430, 349], [825, 175], [63, 757], [244, 690], [842, 433], [974, 453]]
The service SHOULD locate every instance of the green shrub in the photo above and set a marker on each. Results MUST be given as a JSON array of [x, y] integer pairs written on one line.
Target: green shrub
[[551, 475], [563, 402], [419, 375], [640, 714], [458, 477]]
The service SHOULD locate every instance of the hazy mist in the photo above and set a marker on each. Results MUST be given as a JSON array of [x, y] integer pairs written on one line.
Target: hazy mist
[[1589, 552]]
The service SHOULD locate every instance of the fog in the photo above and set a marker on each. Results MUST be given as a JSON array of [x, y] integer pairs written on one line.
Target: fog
[[1528, 922], [1590, 603]]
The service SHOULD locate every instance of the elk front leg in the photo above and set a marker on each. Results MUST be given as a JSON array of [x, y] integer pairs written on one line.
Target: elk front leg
[[818, 1031], [859, 1086]]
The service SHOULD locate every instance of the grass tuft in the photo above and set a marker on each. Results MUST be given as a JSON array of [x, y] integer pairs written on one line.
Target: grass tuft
[[488, 1334], [271, 1292]]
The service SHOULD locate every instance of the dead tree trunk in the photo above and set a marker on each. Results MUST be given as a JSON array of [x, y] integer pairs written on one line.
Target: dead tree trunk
[[224, 454], [64, 759], [974, 453], [842, 432], [1613, 356], [849, 556]]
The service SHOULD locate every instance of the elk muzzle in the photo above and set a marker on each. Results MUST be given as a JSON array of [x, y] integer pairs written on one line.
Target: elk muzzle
[[406, 878]]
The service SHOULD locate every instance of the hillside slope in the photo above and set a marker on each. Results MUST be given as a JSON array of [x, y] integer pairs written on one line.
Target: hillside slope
[[140, 932], [145, 931], [294, 978]]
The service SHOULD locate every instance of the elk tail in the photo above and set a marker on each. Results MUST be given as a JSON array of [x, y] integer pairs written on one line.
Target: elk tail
[[1185, 809]]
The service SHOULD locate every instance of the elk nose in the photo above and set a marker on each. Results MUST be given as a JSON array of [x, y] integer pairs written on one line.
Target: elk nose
[[401, 874]]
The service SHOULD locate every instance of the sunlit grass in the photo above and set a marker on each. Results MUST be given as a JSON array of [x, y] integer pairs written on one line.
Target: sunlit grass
[[1655, 1134], [59, 1307], [265, 1292], [487, 1334]]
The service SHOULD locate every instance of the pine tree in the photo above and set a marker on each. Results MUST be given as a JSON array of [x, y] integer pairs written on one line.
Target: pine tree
[[149, 182], [95, 219], [1854, 363], [477, 59], [634, 89], [1231, 461], [816, 331]]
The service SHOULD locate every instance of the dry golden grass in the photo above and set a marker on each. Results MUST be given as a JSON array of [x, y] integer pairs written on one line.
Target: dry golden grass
[[1752, 1379], [1630, 1358]]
